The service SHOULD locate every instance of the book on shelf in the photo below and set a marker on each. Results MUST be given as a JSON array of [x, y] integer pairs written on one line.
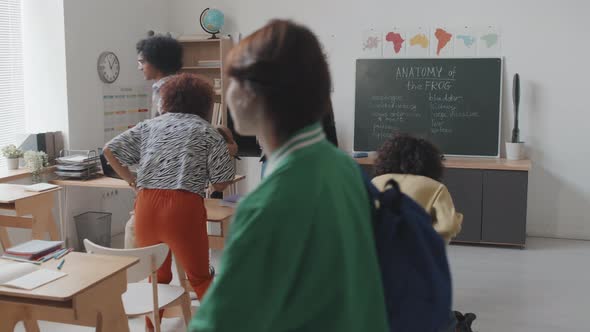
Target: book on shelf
[[220, 115], [209, 63]]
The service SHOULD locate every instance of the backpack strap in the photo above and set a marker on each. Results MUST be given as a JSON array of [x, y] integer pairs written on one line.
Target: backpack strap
[[391, 198]]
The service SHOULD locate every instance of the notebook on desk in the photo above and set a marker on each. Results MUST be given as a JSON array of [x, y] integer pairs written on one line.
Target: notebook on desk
[[40, 187], [33, 249], [26, 276]]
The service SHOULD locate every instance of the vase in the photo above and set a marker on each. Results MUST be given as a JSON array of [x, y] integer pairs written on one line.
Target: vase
[[12, 163], [515, 151]]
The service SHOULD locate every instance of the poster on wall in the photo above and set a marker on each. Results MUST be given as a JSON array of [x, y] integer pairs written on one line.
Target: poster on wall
[[442, 40], [489, 42], [418, 42], [371, 44], [394, 43], [465, 42], [123, 108]]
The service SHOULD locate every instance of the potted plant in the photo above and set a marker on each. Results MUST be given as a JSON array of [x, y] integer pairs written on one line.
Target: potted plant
[[36, 161], [515, 148], [12, 155]]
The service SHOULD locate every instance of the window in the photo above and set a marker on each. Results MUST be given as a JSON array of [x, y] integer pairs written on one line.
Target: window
[[12, 109]]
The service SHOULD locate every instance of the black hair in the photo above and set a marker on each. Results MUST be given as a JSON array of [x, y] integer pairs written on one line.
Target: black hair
[[162, 52], [405, 154]]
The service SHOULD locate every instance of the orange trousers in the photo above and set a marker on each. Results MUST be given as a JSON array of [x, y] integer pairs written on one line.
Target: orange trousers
[[177, 218]]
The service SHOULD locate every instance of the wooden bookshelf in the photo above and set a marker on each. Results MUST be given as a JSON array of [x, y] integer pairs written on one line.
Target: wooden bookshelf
[[197, 49]]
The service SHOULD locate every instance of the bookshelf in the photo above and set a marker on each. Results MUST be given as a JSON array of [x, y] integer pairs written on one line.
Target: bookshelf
[[206, 57]]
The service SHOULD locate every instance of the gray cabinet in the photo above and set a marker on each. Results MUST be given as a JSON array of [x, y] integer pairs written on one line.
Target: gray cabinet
[[491, 194], [504, 207], [465, 186], [493, 203]]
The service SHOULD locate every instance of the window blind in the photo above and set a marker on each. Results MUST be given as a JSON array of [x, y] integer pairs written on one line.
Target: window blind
[[12, 110]]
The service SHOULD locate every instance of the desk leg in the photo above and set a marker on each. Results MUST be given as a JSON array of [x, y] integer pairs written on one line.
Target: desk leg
[[31, 325], [62, 222], [112, 318], [12, 314], [41, 208], [4, 239], [102, 305]]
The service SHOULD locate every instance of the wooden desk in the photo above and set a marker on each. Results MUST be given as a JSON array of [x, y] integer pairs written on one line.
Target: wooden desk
[[215, 212], [492, 195], [21, 173], [90, 295], [38, 205], [107, 182], [218, 214]]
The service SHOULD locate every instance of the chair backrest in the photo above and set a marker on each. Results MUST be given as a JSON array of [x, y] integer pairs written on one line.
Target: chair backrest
[[141, 270]]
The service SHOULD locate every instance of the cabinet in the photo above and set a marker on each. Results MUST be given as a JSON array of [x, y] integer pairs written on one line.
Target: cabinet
[[491, 194]]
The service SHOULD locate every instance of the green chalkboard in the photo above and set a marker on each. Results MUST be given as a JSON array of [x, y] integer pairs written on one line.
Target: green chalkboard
[[455, 103]]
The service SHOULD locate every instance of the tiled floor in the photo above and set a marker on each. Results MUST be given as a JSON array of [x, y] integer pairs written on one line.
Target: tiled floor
[[544, 288]]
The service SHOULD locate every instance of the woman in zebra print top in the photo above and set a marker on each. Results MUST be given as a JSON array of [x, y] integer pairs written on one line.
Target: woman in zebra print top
[[178, 154]]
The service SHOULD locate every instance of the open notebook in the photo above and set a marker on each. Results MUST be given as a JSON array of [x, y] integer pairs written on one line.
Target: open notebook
[[26, 276]]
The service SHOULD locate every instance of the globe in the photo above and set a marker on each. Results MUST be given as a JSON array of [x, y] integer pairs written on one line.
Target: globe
[[212, 21]]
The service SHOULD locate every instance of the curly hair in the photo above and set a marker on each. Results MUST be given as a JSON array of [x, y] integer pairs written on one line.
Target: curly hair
[[405, 154], [187, 93], [163, 52]]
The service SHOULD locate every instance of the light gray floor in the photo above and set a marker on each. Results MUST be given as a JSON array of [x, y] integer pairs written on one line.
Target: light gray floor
[[544, 288]]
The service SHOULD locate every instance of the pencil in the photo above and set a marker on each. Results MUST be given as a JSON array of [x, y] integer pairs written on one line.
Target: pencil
[[57, 253], [64, 253], [61, 264]]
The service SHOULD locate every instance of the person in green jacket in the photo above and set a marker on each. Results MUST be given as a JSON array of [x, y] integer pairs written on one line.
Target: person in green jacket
[[301, 254]]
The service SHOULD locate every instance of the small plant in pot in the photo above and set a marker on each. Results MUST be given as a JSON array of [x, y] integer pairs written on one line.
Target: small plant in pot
[[36, 161], [515, 148], [12, 155]]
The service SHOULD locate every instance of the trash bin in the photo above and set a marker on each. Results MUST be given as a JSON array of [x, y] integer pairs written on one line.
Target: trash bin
[[94, 226]]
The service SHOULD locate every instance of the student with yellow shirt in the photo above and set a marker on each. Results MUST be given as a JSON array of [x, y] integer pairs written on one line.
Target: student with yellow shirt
[[415, 164]]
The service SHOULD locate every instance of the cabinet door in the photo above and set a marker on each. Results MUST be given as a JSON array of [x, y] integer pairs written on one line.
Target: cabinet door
[[465, 186], [504, 207]]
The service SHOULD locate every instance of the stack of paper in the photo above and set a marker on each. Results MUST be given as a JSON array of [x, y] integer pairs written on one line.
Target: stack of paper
[[77, 166]]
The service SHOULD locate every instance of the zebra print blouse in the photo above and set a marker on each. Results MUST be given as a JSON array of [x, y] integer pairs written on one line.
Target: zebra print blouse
[[175, 151]]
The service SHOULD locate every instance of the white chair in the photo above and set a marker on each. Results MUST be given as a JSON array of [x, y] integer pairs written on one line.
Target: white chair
[[147, 298]]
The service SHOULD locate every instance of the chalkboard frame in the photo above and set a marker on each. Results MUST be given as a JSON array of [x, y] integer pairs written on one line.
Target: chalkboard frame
[[501, 79]]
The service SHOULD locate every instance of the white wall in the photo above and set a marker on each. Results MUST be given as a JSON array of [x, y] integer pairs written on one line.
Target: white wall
[[92, 27], [543, 40], [46, 102]]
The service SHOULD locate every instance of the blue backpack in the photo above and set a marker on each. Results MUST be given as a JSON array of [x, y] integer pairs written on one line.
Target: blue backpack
[[413, 262]]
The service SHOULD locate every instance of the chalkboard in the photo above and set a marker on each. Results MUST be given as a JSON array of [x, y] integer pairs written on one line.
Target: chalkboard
[[455, 103]]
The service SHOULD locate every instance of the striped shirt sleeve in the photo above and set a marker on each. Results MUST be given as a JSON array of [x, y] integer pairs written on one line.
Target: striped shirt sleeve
[[127, 146], [219, 163]]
